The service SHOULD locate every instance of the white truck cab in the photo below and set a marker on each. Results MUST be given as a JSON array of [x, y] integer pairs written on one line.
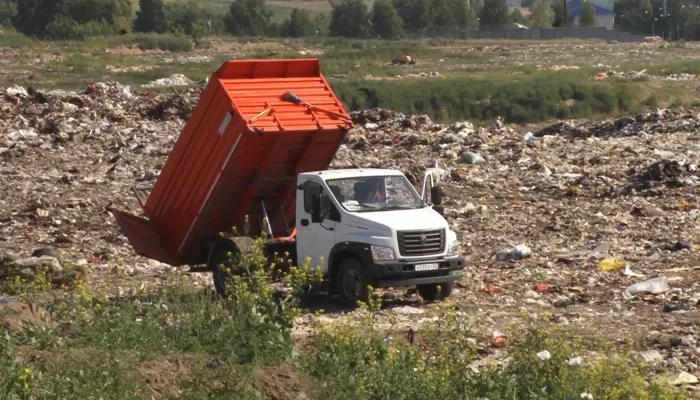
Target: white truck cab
[[370, 227]]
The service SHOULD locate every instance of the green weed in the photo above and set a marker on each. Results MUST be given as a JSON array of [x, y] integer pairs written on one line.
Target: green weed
[[163, 42], [358, 363], [535, 99]]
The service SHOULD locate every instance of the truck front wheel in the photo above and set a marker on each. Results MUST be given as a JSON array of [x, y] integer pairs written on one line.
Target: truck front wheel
[[351, 282], [221, 261], [431, 293]]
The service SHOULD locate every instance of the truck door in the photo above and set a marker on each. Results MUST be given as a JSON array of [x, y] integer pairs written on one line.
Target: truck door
[[315, 237]]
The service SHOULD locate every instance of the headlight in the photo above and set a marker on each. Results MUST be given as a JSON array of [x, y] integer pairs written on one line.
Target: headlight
[[382, 253], [453, 248]]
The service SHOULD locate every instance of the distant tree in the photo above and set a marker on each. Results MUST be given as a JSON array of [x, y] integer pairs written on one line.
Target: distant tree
[[472, 18], [516, 17], [299, 24], [349, 18], [494, 13], [150, 17], [321, 22], [192, 19], [415, 14], [8, 10], [386, 22], [476, 5], [34, 16], [114, 15], [587, 15], [560, 8], [541, 15], [633, 15], [72, 19], [527, 3], [442, 15], [248, 17]]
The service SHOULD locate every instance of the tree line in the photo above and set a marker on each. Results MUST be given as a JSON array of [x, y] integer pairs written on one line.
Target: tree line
[[390, 19]]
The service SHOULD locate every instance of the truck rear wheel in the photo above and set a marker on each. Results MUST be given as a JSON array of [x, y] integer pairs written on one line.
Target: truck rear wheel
[[351, 282], [222, 258], [431, 293]]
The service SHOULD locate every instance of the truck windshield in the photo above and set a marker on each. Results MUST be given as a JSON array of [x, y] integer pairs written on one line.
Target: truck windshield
[[375, 193]]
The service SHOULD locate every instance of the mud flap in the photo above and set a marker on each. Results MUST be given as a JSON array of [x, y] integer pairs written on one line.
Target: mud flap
[[144, 238]]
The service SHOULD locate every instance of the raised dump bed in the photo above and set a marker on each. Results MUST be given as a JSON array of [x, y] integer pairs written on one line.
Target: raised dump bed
[[244, 144]]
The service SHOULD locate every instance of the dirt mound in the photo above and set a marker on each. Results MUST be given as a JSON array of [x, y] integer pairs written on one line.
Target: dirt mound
[[284, 382], [163, 374], [15, 316]]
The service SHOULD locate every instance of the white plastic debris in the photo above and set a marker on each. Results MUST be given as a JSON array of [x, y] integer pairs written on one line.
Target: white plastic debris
[[656, 285], [17, 90], [628, 272], [544, 355], [519, 252], [575, 361], [173, 80]]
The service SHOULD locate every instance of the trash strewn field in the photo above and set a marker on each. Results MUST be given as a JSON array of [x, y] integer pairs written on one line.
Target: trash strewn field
[[590, 226]]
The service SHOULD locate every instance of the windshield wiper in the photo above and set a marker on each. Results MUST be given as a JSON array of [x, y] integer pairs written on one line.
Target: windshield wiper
[[400, 207]]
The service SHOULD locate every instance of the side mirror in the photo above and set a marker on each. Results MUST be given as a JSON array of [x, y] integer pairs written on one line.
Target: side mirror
[[436, 195], [316, 212]]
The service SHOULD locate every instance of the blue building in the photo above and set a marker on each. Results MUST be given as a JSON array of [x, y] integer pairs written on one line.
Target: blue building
[[603, 16]]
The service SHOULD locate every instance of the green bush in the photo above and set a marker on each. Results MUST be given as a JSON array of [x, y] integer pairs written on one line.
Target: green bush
[[535, 99], [163, 42], [355, 363]]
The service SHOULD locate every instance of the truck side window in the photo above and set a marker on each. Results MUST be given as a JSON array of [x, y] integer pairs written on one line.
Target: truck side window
[[310, 190]]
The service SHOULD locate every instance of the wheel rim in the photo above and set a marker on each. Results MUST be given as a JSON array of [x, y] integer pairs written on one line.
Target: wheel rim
[[351, 284], [222, 263]]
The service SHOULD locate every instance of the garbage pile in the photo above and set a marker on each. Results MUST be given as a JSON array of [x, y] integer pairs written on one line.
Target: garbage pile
[[650, 123], [64, 156], [575, 220]]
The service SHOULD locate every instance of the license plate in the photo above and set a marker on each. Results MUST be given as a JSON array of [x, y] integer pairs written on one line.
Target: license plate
[[426, 267]]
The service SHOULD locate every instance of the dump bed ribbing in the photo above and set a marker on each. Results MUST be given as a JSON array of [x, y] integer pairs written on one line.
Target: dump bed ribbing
[[242, 144]]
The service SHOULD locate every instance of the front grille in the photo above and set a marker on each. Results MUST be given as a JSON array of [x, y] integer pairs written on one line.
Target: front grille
[[412, 244]]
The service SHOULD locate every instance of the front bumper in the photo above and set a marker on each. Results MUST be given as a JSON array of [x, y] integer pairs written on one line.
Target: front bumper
[[403, 273]]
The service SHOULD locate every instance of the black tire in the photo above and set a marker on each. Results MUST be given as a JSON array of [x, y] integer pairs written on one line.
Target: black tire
[[430, 292], [221, 261], [350, 271]]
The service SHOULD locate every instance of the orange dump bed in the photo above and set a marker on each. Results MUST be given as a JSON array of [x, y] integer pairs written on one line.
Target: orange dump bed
[[244, 142]]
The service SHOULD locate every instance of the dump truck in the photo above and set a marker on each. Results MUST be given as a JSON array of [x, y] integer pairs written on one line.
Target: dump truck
[[257, 148]]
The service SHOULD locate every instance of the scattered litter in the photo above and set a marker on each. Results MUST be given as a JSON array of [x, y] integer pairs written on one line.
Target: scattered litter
[[574, 361], [498, 339], [173, 80], [610, 264], [471, 158], [684, 378], [544, 355], [682, 307], [656, 285], [519, 252]]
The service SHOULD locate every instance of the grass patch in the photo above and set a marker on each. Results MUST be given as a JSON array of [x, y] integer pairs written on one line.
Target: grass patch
[[678, 67], [535, 99], [189, 344], [163, 42], [356, 362], [15, 40]]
